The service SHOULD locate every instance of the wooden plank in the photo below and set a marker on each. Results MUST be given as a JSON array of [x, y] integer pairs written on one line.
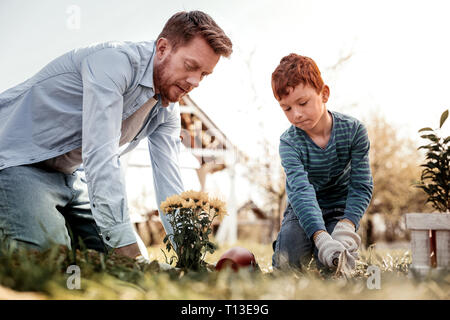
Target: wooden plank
[[428, 221], [420, 247], [443, 248]]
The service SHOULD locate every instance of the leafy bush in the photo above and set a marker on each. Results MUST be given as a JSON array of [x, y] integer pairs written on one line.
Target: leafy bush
[[435, 178]]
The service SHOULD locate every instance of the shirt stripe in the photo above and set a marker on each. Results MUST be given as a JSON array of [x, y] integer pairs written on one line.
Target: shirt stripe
[[337, 176]]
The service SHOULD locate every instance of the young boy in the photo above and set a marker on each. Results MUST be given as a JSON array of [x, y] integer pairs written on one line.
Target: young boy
[[325, 156]]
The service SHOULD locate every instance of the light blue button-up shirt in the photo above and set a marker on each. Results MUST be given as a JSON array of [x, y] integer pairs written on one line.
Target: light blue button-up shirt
[[80, 100]]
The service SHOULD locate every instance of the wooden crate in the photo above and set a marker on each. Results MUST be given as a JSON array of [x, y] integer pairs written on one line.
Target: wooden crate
[[430, 241]]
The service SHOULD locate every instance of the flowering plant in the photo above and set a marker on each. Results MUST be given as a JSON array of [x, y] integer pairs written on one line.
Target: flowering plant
[[191, 214]]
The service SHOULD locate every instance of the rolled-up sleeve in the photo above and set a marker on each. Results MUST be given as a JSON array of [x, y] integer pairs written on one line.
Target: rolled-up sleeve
[[164, 146], [106, 74]]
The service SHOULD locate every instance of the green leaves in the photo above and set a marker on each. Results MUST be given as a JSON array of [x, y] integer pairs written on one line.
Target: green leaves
[[435, 178], [190, 238], [444, 117], [431, 137]]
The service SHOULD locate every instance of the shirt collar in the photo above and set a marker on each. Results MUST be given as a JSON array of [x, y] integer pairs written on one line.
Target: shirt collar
[[147, 78]]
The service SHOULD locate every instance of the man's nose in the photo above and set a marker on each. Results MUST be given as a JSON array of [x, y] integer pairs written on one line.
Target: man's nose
[[194, 80]]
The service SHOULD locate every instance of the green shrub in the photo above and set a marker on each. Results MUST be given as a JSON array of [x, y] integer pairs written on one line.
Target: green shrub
[[435, 178]]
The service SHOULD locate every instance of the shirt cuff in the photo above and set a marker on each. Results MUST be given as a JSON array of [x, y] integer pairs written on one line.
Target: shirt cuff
[[119, 236], [353, 218], [314, 228]]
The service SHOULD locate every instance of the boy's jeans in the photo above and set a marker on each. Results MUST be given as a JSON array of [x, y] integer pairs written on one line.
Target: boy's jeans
[[293, 248], [40, 208]]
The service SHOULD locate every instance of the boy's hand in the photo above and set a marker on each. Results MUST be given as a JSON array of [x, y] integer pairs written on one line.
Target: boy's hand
[[329, 249], [344, 232]]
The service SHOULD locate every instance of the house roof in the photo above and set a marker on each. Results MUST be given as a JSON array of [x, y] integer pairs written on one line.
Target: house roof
[[258, 212], [201, 136]]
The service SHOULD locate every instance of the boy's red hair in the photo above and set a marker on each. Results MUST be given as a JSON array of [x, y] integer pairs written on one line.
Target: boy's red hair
[[293, 70]]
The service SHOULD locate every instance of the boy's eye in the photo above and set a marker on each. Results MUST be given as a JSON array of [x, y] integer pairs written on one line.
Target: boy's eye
[[304, 103], [287, 109]]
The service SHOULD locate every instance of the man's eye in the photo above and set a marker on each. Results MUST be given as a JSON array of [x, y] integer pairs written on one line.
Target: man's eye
[[303, 104], [188, 67]]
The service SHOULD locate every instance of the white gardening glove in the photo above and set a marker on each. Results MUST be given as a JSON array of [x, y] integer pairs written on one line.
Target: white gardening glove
[[329, 249], [345, 233]]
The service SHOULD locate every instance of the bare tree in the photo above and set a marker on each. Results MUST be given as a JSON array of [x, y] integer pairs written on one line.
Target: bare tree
[[395, 169]]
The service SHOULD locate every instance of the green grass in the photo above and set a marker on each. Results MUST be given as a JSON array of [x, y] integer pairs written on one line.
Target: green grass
[[116, 277]]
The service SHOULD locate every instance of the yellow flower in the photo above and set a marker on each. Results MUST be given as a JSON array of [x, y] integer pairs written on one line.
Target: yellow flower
[[188, 204], [200, 198], [204, 198], [190, 194], [194, 200], [206, 207], [171, 203], [218, 206]]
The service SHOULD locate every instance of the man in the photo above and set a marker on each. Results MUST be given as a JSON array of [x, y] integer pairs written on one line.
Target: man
[[62, 133]]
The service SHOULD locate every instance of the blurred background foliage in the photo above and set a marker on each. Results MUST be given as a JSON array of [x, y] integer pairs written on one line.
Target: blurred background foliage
[[395, 163]]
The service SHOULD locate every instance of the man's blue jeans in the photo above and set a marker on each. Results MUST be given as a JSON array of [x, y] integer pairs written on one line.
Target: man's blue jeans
[[40, 208], [293, 248]]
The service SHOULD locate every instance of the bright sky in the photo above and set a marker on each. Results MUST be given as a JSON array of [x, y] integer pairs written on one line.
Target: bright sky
[[400, 63]]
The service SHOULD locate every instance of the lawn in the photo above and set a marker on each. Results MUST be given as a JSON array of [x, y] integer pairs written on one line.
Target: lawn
[[43, 276]]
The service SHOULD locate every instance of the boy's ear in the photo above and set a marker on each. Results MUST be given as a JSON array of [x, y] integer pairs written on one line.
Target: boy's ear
[[325, 93]]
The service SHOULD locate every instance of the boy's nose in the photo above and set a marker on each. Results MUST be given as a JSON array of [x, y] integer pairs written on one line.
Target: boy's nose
[[298, 115]]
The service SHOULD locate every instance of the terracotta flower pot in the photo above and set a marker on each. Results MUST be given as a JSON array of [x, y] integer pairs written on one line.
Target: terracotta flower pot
[[236, 257]]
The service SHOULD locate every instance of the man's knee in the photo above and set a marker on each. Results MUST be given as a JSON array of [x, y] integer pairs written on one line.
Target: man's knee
[[29, 201], [32, 241], [288, 254]]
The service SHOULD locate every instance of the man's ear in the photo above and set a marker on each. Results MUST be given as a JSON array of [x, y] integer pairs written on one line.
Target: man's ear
[[325, 93], [162, 48]]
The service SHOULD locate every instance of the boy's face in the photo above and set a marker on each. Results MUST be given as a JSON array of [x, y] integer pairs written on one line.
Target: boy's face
[[303, 106]]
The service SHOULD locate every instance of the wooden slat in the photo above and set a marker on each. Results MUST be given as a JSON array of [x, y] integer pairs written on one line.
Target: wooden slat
[[443, 248], [420, 247], [428, 221]]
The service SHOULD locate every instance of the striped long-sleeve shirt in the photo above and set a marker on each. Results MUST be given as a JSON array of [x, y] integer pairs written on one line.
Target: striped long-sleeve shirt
[[337, 176]]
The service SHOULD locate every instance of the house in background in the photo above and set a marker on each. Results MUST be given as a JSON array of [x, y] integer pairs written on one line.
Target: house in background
[[209, 162], [254, 223]]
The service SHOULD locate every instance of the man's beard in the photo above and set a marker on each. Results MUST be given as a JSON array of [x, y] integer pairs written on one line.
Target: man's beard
[[163, 84]]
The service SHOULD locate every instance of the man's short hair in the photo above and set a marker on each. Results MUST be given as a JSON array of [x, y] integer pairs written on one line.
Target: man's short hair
[[293, 70], [184, 26]]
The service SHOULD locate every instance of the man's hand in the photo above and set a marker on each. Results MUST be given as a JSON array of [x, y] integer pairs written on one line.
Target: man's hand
[[344, 232], [329, 249], [131, 250]]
